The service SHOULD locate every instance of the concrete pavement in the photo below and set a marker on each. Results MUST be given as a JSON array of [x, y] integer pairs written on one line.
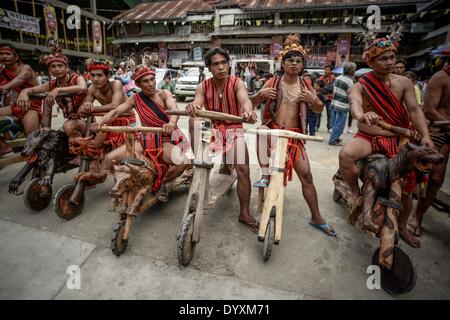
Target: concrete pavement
[[37, 248]]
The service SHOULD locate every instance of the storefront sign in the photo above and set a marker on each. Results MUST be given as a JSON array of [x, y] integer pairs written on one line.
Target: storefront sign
[[174, 46]]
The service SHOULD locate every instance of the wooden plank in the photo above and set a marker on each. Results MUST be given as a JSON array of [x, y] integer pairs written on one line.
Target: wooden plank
[[274, 191], [219, 184], [11, 159], [261, 197], [202, 190]]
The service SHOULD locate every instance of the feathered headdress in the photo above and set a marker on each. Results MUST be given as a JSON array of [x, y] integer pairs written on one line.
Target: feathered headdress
[[98, 64], [374, 46], [292, 43], [55, 56]]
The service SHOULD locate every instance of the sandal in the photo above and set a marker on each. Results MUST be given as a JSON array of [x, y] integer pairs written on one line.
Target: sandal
[[415, 230], [325, 227], [262, 183], [252, 225]]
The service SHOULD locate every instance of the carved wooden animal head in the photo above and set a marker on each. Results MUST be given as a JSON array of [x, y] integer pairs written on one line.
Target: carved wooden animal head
[[421, 158], [40, 142]]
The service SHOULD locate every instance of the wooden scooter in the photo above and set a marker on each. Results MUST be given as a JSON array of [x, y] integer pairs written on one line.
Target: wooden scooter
[[398, 274], [271, 199], [204, 192], [134, 177], [38, 193]]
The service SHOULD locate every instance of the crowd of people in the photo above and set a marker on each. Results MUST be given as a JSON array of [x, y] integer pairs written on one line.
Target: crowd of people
[[290, 99]]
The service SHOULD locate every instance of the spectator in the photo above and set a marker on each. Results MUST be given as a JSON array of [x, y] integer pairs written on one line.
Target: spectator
[[318, 86], [400, 67], [327, 90], [412, 76], [201, 75], [340, 104], [167, 85], [311, 116], [256, 84], [424, 88]]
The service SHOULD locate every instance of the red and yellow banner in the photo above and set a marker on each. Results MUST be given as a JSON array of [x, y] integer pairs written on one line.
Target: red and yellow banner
[[51, 23], [97, 36]]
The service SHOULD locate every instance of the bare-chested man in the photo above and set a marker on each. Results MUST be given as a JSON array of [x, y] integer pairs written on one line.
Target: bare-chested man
[[15, 76], [110, 95], [437, 108], [291, 95], [381, 95], [227, 94], [150, 105], [65, 83]]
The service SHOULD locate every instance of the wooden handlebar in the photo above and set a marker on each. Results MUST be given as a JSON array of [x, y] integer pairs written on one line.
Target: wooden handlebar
[[213, 115], [42, 96], [131, 129], [284, 134], [399, 131], [439, 124]]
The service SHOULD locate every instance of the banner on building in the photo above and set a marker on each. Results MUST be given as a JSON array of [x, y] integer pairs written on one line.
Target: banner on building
[[276, 46], [51, 23], [316, 62], [343, 47], [17, 21], [97, 36], [198, 54]]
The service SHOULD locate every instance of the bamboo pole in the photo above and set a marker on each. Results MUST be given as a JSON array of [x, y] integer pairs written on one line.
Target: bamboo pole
[[34, 15], [78, 40], [87, 35], [17, 10], [104, 38], [64, 29]]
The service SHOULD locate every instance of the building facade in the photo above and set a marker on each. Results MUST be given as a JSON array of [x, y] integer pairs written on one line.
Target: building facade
[[176, 31]]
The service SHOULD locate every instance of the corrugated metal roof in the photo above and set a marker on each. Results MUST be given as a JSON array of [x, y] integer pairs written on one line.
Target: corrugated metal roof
[[286, 4], [168, 10]]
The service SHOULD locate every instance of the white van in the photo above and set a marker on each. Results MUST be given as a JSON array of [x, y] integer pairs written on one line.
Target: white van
[[268, 66]]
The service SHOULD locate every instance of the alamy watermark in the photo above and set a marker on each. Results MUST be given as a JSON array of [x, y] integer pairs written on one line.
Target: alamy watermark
[[74, 279]]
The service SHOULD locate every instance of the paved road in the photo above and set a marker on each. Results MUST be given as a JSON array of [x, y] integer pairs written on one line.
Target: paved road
[[37, 249]]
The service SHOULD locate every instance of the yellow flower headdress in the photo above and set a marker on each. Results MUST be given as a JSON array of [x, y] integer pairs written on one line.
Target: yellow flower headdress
[[292, 43]]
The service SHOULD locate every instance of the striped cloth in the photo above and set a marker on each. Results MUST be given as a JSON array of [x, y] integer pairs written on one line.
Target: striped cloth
[[340, 95]]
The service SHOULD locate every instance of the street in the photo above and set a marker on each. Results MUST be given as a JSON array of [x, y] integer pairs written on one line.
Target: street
[[38, 248]]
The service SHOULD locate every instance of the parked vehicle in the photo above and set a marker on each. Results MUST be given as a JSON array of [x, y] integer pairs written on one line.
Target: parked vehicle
[[161, 73], [186, 85]]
